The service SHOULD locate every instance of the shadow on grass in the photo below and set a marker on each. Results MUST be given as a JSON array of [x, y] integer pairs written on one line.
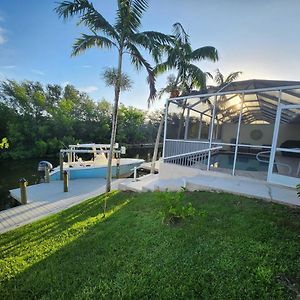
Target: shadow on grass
[[234, 252]]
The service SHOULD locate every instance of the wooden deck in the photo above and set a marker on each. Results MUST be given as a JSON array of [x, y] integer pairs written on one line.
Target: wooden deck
[[48, 198]]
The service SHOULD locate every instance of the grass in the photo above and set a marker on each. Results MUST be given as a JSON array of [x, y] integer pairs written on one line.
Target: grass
[[237, 248]]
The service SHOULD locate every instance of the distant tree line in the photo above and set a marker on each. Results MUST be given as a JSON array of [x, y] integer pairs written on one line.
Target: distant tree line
[[39, 120]]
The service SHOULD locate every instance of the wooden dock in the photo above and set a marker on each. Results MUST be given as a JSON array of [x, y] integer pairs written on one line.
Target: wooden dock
[[48, 198]]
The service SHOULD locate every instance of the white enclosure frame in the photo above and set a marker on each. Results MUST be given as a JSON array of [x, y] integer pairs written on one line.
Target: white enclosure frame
[[210, 143]]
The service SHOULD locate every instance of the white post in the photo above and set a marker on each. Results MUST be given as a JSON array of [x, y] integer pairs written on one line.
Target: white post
[[200, 126], [165, 128], [211, 132], [238, 136], [187, 123], [217, 128], [134, 174], [274, 140]]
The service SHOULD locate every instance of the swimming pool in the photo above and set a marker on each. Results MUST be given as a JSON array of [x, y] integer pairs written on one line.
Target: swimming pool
[[244, 162]]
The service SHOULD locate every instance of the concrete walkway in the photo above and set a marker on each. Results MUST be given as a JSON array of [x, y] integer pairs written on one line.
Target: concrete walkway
[[219, 183], [48, 198]]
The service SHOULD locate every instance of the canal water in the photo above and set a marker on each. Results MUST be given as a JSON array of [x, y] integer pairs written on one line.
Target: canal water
[[12, 170]]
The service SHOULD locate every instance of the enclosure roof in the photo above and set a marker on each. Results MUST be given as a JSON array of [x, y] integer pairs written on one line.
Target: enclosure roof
[[260, 100]]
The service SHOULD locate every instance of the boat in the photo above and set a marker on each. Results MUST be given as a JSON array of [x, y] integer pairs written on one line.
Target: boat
[[90, 161]]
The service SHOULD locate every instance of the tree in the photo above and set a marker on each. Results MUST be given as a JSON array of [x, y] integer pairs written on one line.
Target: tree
[[181, 57], [123, 36], [220, 79]]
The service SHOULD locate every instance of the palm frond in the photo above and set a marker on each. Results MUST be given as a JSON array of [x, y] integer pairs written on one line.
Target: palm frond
[[139, 61], [207, 52], [88, 15], [68, 9], [88, 41], [161, 68], [219, 77], [233, 76], [151, 39], [129, 14], [196, 76], [180, 34]]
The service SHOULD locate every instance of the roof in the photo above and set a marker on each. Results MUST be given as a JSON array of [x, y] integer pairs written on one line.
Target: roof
[[260, 100]]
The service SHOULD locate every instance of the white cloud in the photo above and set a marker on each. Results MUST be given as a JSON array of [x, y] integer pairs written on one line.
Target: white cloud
[[38, 72], [86, 66], [2, 38], [88, 89], [8, 67]]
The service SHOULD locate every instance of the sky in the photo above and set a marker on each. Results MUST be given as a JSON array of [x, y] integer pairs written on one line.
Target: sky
[[259, 38]]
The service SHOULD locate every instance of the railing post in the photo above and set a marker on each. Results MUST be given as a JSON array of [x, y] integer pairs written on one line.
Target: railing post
[[275, 137], [165, 128], [61, 165], [23, 190], [200, 126], [118, 166], [66, 181], [211, 133], [134, 174], [238, 136], [187, 123], [47, 174]]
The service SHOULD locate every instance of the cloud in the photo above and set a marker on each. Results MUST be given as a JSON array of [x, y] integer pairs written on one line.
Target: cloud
[[38, 72], [88, 89], [86, 66], [2, 37], [8, 67]]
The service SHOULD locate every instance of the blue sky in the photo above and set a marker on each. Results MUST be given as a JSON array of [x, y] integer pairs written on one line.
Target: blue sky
[[260, 38]]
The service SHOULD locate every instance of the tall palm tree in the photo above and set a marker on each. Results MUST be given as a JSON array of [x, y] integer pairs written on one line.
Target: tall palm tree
[[181, 57], [123, 36]]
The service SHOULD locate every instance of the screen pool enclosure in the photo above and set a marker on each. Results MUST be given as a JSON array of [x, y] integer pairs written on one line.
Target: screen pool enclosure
[[246, 128]]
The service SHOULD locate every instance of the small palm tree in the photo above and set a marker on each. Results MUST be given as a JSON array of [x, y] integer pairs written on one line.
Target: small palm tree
[[220, 79], [123, 36]]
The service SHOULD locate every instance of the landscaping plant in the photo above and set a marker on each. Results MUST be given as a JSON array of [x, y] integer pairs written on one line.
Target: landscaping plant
[[174, 210]]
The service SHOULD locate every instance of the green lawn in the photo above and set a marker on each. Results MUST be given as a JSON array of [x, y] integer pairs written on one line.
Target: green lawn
[[237, 248]]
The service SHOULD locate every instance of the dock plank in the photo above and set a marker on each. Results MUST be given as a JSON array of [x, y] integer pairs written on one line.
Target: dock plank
[[48, 198]]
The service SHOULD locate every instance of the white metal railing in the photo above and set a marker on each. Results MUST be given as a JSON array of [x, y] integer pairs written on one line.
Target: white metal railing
[[196, 158], [177, 147], [262, 154]]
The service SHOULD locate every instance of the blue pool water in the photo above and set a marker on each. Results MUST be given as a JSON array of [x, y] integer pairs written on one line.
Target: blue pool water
[[245, 162]]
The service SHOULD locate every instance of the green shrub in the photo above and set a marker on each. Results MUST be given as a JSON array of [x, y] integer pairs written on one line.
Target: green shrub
[[298, 189], [174, 211]]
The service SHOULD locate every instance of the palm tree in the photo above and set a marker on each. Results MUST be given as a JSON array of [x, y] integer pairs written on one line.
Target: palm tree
[[123, 36], [220, 79], [181, 57]]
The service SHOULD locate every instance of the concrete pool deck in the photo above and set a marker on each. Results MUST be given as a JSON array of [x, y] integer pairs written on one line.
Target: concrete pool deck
[[214, 182], [48, 198]]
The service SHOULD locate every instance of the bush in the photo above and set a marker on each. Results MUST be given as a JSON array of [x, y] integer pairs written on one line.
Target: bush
[[174, 211]]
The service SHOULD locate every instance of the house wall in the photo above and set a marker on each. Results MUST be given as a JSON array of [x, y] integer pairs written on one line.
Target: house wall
[[286, 132]]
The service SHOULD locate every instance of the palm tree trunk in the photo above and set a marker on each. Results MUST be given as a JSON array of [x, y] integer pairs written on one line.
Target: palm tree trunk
[[154, 158], [114, 125]]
